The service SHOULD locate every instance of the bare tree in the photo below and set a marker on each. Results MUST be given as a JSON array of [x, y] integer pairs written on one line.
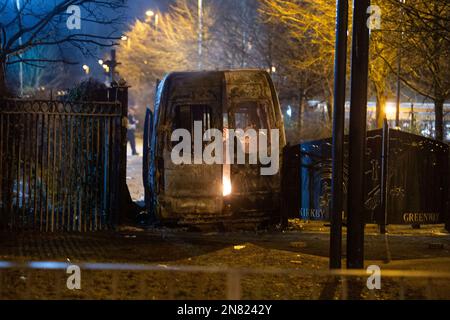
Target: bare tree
[[64, 24], [311, 25], [425, 52], [172, 45], [383, 54], [242, 37]]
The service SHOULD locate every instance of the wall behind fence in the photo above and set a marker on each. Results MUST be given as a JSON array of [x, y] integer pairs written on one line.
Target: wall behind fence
[[59, 165]]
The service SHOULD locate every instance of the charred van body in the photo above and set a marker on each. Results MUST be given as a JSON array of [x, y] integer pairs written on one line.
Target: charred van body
[[201, 193]]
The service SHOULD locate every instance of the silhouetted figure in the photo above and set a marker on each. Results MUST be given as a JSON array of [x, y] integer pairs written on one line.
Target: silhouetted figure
[[132, 122]]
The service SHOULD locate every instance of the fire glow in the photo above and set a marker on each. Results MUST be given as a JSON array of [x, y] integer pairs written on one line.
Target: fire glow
[[226, 180]]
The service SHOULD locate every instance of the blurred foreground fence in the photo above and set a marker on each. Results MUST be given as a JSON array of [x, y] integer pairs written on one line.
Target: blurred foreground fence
[[48, 280], [60, 164]]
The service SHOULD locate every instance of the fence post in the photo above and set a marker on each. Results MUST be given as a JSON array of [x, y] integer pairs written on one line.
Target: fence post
[[126, 209], [447, 194], [383, 219]]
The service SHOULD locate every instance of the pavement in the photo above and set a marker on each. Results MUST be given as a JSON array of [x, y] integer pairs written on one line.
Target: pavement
[[302, 247], [134, 172]]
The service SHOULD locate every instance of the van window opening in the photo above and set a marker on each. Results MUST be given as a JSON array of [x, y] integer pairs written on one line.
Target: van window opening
[[187, 115], [250, 115]]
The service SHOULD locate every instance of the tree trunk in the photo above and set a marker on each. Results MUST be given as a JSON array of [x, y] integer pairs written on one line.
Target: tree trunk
[[301, 108], [439, 119], [380, 112], [330, 107]]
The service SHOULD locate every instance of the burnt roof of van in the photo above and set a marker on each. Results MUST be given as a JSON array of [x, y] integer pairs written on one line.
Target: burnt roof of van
[[209, 72], [209, 78], [217, 71]]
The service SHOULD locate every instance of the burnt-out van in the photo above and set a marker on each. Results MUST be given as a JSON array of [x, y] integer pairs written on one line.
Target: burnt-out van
[[194, 106]]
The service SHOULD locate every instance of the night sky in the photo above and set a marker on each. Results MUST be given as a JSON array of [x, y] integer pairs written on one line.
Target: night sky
[[136, 10]]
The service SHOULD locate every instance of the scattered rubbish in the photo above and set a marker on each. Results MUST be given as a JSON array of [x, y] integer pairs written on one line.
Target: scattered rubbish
[[129, 229], [298, 244]]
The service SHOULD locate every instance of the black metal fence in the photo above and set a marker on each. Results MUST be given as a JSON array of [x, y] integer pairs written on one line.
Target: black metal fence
[[60, 164], [413, 188]]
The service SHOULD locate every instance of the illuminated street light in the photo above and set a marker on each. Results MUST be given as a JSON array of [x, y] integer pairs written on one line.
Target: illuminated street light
[[100, 62], [19, 10], [86, 69], [124, 38], [273, 69], [149, 13], [390, 110], [289, 111]]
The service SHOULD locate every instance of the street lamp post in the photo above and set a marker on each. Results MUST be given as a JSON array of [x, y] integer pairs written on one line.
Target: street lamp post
[[340, 66], [86, 69], [399, 66], [19, 14], [200, 33], [152, 15], [110, 65], [357, 135]]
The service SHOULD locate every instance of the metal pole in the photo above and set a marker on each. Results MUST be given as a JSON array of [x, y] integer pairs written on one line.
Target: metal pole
[[340, 66], [357, 136], [397, 111], [399, 67], [384, 176], [19, 16], [200, 33]]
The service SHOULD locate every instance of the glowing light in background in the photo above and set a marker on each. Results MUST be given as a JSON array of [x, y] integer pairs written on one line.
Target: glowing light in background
[[5, 265], [86, 69], [49, 265], [289, 111], [226, 180], [390, 110]]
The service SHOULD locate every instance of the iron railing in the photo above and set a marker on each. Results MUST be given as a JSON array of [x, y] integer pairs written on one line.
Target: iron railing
[[59, 164]]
